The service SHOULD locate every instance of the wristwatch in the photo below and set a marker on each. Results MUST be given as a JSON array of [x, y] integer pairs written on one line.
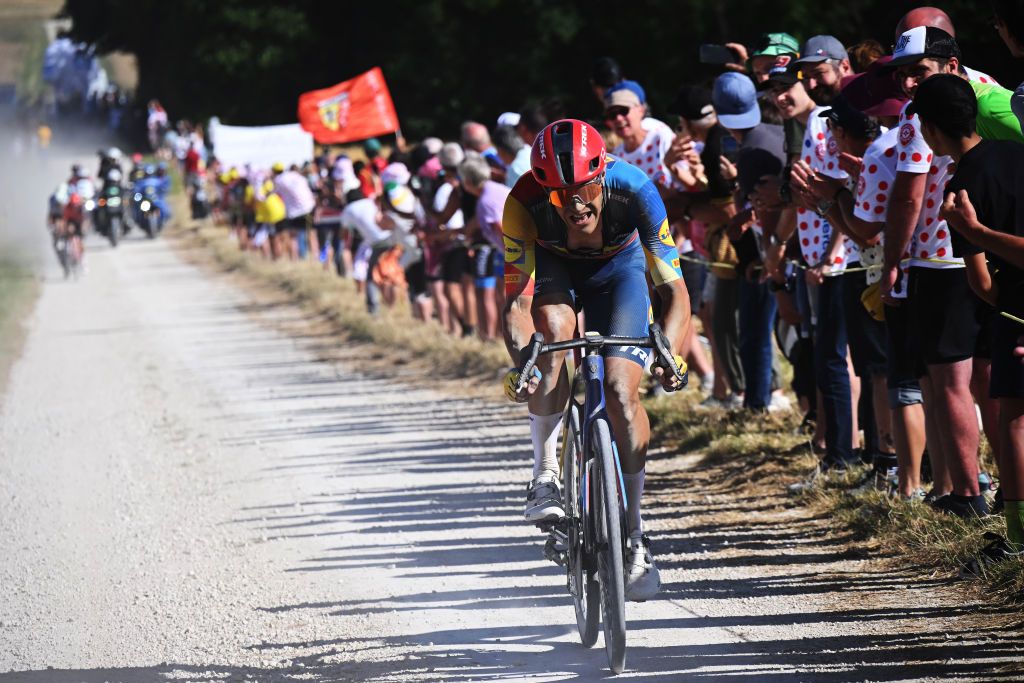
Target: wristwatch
[[823, 206]]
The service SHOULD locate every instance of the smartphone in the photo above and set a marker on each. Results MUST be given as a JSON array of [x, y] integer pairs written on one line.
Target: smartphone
[[730, 148], [717, 54]]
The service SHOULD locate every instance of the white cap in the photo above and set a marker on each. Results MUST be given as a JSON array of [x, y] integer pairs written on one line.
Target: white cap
[[509, 118], [433, 145], [395, 173]]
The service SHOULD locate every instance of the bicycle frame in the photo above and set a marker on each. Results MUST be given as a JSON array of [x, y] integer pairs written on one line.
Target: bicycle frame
[[591, 373]]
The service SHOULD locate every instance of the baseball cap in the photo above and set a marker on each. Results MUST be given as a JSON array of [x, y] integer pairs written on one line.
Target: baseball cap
[[692, 103], [820, 48], [401, 199], [783, 72], [735, 99], [432, 145], [622, 98], [923, 41], [844, 114], [630, 86], [396, 173], [775, 44], [278, 167], [947, 98], [372, 145], [509, 118], [875, 92]]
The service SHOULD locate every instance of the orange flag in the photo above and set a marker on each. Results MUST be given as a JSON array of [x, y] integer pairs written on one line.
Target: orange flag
[[356, 109]]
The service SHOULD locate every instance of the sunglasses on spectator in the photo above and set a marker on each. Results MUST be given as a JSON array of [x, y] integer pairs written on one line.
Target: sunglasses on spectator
[[613, 113], [568, 197]]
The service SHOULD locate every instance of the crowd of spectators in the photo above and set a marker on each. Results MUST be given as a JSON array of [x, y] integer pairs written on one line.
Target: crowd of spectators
[[849, 211]]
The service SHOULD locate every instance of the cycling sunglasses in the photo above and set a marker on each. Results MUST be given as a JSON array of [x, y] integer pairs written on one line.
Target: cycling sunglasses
[[584, 194]]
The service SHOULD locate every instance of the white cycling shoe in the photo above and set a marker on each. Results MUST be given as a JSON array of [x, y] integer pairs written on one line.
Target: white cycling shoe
[[543, 500], [643, 581]]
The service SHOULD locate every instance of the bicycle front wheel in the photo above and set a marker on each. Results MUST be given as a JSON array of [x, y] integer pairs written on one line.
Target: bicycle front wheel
[[609, 524], [583, 585]]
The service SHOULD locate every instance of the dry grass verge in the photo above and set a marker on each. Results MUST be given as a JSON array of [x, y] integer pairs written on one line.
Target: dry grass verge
[[337, 300], [18, 290]]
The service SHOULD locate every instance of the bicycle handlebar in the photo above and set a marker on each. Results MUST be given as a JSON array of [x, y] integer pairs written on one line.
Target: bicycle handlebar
[[656, 340]]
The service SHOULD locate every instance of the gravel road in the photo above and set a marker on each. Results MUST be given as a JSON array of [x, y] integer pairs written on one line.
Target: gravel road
[[189, 491]]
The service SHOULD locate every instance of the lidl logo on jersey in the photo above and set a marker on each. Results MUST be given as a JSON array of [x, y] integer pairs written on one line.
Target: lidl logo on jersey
[[665, 234], [334, 111], [513, 250]]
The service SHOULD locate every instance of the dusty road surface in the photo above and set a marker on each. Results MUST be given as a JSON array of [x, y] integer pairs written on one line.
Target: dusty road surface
[[189, 492]]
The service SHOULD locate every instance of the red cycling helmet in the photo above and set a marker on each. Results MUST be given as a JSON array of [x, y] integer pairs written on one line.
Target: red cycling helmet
[[567, 152]]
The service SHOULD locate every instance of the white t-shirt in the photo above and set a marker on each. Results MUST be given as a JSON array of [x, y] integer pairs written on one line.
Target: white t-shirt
[[874, 187], [650, 154], [361, 216], [649, 157], [821, 153], [441, 197], [931, 240]]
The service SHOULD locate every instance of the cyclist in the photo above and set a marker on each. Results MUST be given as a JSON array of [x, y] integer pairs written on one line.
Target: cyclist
[[600, 225]]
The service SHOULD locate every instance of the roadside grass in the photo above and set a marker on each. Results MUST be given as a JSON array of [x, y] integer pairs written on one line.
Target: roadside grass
[[18, 289], [767, 451]]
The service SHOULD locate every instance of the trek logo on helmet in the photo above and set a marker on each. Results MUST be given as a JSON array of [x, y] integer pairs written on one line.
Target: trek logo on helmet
[[583, 141], [543, 151]]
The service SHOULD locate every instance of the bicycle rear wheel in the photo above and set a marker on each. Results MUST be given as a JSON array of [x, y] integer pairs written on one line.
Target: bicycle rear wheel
[[583, 585], [607, 510]]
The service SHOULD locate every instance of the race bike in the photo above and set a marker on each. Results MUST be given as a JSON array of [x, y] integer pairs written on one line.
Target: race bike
[[591, 540]]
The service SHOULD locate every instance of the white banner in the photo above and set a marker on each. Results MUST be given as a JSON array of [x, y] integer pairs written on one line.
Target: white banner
[[260, 146]]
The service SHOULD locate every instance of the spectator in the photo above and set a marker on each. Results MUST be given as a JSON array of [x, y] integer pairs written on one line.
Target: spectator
[[489, 254], [299, 202], [760, 154], [476, 138], [984, 204], [513, 153]]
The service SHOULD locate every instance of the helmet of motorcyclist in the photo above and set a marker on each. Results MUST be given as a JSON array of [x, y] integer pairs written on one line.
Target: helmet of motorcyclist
[[150, 170], [567, 152], [137, 158], [114, 154]]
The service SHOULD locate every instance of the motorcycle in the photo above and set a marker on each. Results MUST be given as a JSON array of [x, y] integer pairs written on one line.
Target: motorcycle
[[146, 211], [108, 215]]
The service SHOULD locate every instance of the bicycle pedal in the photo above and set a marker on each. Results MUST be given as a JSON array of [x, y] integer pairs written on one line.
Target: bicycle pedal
[[553, 553]]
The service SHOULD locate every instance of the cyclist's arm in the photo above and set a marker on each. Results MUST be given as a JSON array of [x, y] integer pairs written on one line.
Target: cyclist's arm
[[519, 235], [663, 264]]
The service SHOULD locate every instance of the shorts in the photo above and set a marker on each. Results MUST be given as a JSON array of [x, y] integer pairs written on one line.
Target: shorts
[[611, 292], [298, 223], [1007, 369], [901, 378], [865, 335], [983, 347], [416, 279], [488, 266], [943, 315], [454, 263]]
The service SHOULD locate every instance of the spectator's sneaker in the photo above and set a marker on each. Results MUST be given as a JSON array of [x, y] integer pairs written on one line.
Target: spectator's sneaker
[[964, 507], [642, 578], [779, 404], [997, 550], [707, 383], [712, 403], [543, 500], [826, 467], [875, 479], [916, 496]]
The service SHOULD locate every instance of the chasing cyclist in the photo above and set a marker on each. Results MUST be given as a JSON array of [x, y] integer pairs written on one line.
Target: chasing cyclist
[[600, 225]]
